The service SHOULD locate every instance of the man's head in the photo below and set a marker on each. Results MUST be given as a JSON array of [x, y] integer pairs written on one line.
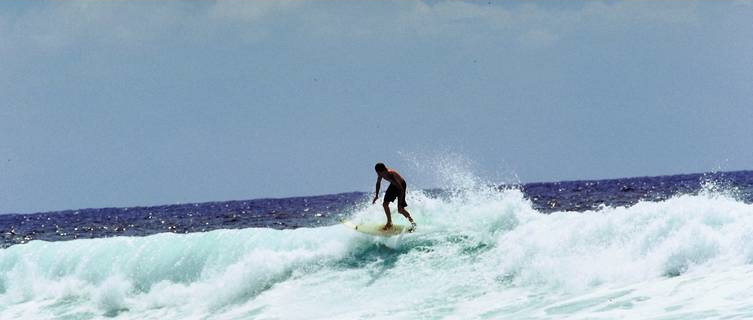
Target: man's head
[[380, 167]]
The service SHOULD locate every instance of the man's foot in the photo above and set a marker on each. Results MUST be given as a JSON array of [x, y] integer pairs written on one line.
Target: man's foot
[[387, 226], [412, 227]]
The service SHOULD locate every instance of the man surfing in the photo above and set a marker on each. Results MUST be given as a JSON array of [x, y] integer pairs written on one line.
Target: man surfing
[[395, 190]]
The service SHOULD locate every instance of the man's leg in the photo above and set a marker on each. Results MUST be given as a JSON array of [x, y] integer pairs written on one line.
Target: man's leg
[[407, 215], [386, 206]]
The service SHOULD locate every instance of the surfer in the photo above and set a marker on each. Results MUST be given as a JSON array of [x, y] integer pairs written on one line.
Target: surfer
[[395, 190]]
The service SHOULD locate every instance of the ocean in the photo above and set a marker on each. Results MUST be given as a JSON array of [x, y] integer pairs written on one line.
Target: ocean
[[669, 247]]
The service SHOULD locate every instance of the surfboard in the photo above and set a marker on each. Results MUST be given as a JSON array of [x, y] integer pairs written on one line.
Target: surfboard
[[375, 229]]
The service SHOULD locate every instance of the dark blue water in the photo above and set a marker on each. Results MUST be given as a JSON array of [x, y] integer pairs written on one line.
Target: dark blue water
[[288, 213]]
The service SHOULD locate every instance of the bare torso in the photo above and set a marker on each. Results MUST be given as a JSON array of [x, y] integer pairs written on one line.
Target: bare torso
[[393, 177]]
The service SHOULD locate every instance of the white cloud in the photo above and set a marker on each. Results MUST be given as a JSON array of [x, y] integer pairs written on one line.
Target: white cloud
[[250, 11], [642, 12], [57, 25]]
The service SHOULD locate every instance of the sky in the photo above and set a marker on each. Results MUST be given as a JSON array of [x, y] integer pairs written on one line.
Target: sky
[[129, 103]]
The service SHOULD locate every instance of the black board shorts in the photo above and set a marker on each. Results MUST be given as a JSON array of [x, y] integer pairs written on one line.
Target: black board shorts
[[392, 193]]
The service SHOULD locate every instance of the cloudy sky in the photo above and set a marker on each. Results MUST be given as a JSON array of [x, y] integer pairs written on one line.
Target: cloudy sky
[[124, 103]]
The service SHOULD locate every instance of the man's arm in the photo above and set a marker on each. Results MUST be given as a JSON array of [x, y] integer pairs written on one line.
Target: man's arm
[[378, 185]]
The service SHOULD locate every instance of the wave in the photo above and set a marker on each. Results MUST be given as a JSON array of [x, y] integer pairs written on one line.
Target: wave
[[477, 253]]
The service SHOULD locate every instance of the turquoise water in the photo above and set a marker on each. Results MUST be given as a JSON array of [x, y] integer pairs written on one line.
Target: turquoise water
[[479, 254]]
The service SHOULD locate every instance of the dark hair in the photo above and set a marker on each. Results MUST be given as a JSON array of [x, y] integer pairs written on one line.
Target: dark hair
[[380, 167]]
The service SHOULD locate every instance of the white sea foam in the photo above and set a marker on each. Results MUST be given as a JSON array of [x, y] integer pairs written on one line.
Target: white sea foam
[[479, 253]]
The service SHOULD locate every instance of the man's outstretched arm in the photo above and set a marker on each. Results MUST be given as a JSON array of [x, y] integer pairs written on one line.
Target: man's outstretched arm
[[376, 194]]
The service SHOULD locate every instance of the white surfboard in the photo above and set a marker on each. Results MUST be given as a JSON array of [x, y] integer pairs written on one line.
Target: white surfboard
[[375, 229]]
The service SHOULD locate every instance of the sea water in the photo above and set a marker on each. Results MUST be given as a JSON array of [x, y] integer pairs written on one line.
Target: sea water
[[480, 252]]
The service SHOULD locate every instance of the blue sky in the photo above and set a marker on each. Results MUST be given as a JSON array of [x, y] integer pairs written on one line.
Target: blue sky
[[126, 103]]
